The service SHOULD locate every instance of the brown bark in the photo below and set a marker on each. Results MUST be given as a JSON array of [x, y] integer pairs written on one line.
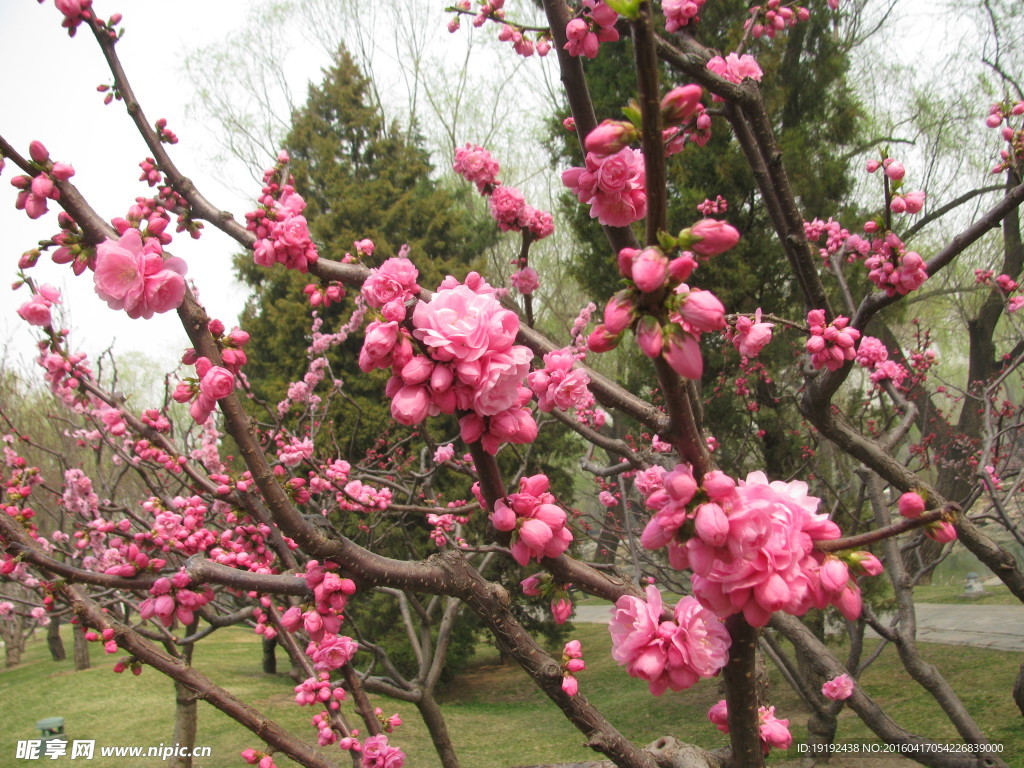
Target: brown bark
[[53, 640], [81, 647]]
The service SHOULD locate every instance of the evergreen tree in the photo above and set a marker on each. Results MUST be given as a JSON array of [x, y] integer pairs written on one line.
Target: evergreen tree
[[360, 179]]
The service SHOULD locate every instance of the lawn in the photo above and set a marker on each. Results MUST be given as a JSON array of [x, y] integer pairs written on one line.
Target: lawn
[[496, 716]]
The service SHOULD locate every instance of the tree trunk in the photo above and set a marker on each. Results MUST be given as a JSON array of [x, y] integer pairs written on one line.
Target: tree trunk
[[269, 657], [1018, 690], [186, 711], [14, 641], [81, 647], [54, 641], [438, 729]]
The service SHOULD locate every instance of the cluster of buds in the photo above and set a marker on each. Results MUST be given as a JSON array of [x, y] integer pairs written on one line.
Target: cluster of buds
[[543, 586], [672, 333], [211, 383], [773, 17], [38, 189], [1001, 116], [537, 524], [830, 346], [912, 505], [594, 25], [516, 34], [572, 662], [171, 598]]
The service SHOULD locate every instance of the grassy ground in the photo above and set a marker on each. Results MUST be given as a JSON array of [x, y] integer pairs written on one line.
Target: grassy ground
[[497, 717]]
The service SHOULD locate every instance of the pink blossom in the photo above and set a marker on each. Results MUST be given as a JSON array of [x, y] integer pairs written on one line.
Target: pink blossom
[[526, 281], [35, 312], [506, 205], [751, 335], [681, 351], [613, 185], [667, 654], [444, 453], [394, 280], [377, 753], [476, 164], [838, 688], [679, 13], [134, 276], [735, 68], [701, 310]]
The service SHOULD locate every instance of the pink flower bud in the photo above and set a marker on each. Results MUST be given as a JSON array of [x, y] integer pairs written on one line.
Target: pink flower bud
[[680, 104], [602, 340], [682, 352], [713, 237], [940, 531], [610, 136], [703, 311], [895, 171], [38, 152], [650, 267], [649, 336], [618, 312], [911, 505], [712, 525]]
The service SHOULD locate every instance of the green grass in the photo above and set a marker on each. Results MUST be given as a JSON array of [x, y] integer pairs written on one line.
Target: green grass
[[497, 717]]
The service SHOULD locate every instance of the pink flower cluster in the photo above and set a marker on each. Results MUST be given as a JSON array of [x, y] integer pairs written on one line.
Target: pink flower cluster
[[667, 654], [314, 691], [332, 652], [390, 286], [836, 236], [36, 311], [477, 165], [537, 523], [262, 759], [686, 120], [572, 662], [750, 335], [594, 26], [331, 593], [134, 276], [214, 383], [377, 753], [613, 186], [773, 18], [507, 204], [681, 13], [558, 384], [873, 355], [774, 732], [691, 311], [526, 281], [751, 544], [282, 233], [830, 346], [472, 364], [901, 275], [171, 598], [35, 191]]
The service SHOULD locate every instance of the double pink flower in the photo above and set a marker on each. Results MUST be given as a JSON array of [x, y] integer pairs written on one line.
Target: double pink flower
[[134, 276]]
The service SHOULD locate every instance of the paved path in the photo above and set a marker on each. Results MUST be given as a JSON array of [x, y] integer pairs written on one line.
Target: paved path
[[1000, 627]]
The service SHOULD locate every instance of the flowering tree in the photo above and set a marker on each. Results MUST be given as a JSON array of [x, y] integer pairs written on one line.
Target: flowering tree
[[286, 534]]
